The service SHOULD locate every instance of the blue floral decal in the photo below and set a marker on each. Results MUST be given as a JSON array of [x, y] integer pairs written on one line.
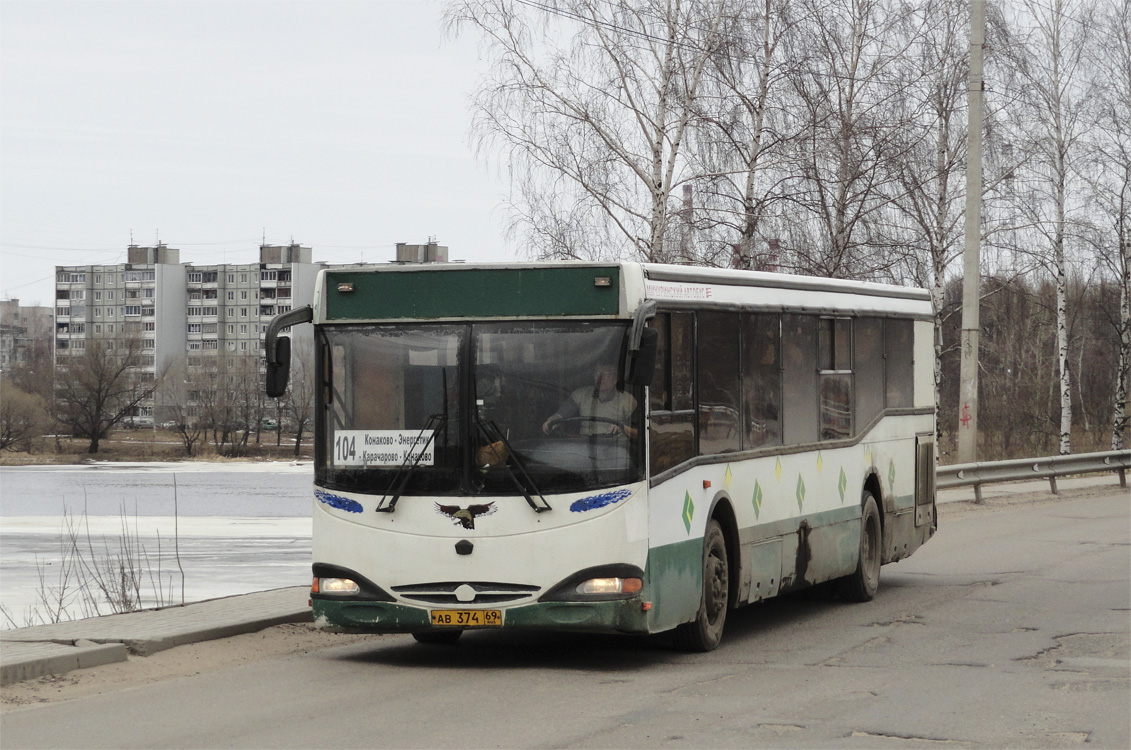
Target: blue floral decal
[[599, 501], [339, 502]]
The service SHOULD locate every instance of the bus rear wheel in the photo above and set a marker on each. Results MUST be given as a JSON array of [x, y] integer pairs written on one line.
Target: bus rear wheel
[[862, 584], [705, 632], [441, 637]]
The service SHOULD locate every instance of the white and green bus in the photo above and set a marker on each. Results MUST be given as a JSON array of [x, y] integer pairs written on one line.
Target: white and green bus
[[607, 447]]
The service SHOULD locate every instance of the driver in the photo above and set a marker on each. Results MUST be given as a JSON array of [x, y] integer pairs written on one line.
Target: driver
[[603, 402]]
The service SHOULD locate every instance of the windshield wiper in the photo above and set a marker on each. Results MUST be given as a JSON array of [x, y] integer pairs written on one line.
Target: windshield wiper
[[404, 473], [486, 427]]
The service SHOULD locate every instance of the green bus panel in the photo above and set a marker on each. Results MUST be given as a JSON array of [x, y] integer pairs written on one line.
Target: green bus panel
[[472, 292]]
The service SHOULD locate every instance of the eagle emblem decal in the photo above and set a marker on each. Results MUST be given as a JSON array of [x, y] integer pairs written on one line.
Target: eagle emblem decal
[[465, 516]]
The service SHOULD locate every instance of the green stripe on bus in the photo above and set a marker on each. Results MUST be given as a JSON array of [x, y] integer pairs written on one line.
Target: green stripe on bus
[[472, 292]]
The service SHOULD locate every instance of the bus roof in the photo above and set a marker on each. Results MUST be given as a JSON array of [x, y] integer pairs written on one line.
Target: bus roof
[[453, 291]]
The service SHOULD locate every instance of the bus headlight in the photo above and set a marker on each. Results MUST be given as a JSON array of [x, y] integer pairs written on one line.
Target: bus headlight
[[332, 586], [610, 586]]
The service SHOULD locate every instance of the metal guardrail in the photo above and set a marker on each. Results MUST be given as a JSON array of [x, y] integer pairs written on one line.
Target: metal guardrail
[[1020, 469]]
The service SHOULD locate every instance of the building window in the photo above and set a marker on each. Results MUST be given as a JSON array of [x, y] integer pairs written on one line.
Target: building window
[[195, 277], [98, 296], [194, 327], [231, 328], [243, 295], [231, 296], [110, 295], [231, 278], [243, 278], [194, 346], [149, 326], [243, 312], [133, 310], [97, 278]]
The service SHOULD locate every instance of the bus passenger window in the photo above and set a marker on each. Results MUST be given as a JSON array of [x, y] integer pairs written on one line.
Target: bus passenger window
[[659, 390], [717, 355], [835, 357], [900, 358], [799, 376], [672, 419], [761, 380], [869, 370]]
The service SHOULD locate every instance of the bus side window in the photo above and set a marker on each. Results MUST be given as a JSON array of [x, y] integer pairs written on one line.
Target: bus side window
[[869, 369], [835, 360], [672, 418], [761, 380], [659, 390], [900, 361], [799, 375], [717, 357]]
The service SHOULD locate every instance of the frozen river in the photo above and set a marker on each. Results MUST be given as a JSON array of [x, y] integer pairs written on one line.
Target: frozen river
[[231, 529]]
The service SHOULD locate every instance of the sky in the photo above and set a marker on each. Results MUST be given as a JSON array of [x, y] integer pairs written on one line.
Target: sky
[[212, 126]]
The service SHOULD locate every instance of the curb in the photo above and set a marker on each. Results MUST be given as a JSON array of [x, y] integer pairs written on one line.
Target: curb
[[27, 653]]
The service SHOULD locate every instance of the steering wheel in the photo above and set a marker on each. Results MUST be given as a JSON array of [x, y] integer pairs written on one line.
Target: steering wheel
[[557, 426]]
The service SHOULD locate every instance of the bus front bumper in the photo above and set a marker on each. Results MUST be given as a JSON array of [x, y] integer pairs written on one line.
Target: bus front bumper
[[620, 616]]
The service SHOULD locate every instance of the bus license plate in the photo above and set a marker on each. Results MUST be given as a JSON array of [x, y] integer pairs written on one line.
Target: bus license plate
[[468, 618]]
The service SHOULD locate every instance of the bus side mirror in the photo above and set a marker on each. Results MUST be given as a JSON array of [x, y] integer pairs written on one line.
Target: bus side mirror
[[279, 369], [643, 363]]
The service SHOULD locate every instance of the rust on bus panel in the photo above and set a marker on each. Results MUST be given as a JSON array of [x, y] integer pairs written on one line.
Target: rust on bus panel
[[804, 556]]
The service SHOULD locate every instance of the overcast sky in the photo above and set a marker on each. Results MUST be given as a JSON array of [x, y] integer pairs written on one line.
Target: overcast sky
[[206, 124]]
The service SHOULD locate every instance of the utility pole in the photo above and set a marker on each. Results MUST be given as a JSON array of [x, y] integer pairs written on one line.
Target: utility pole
[[971, 277]]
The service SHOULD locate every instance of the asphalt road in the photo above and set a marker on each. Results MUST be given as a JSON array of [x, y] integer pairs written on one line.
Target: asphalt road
[[1009, 629]]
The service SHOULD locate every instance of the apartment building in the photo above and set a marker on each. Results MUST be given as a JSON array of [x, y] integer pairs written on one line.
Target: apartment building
[[25, 333], [181, 311]]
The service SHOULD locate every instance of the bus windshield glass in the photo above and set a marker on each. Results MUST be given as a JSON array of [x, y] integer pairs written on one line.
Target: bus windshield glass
[[528, 407]]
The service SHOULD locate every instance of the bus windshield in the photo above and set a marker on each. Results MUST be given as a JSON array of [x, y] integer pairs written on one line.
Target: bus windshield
[[477, 409]]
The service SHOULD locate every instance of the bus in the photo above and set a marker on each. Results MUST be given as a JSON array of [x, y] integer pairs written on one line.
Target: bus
[[607, 447]]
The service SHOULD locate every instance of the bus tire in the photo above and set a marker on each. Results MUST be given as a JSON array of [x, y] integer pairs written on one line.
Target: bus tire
[[438, 637], [863, 583], [705, 632]]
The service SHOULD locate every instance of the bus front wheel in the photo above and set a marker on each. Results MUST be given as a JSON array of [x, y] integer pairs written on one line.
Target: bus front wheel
[[706, 631], [862, 584]]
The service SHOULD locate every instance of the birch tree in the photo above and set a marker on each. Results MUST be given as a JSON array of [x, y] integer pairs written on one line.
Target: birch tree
[[1052, 65], [740, 136], [929, 177], [591, 102], [849, 81], [1108, 172]]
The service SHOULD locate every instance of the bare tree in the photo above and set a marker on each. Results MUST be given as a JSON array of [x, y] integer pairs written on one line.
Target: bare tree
[[592, 102], [180, 394], [740, 138], [1052, 61], [298, 406], [23, 417], [1107, 173], [103, 385], [850, 80]]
